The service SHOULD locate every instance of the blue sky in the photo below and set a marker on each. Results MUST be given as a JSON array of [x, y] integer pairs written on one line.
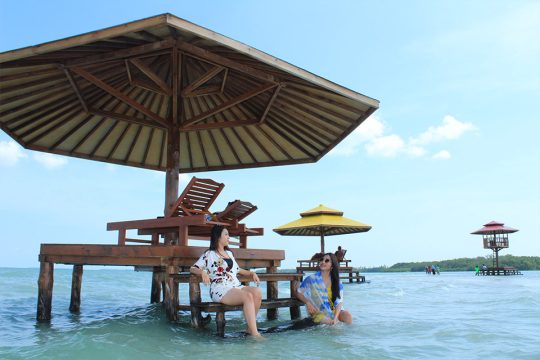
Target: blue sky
[[454, 144]]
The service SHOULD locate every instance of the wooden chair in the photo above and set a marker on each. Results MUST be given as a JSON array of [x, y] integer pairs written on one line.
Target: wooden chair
[[196, 198], [236, 211]]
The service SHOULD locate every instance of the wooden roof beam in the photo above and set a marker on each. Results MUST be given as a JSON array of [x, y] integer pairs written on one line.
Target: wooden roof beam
[[196, 51], [230, 103], [120, 95], [75, 88], [122, 53], [203, 79], [152, 76], [270, 103]]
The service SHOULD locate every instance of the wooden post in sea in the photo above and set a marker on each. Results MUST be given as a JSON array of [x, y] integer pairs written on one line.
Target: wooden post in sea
[[171, 294], [271, 294], [195, 298], [295, 310], [156, 285], [76, 282], [45, 288]]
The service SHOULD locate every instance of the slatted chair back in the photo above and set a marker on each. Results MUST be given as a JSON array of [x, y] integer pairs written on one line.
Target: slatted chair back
[[196, 198], [236, 211]]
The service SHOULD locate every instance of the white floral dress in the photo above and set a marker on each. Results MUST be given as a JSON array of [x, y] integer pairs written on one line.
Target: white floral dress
[[222, 277]]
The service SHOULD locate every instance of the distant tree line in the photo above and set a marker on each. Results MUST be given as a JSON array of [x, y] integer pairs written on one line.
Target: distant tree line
[[462, 264]]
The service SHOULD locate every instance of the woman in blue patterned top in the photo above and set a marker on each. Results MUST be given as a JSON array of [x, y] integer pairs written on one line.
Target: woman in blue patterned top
[[322, 293]]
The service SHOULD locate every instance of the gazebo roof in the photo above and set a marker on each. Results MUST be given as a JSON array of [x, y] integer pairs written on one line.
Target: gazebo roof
[[494, 227], [116, 94]]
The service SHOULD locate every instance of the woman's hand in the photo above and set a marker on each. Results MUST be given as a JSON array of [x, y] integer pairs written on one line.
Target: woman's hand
[[205, 277], [311, 309], [255, 277], [335, 320]]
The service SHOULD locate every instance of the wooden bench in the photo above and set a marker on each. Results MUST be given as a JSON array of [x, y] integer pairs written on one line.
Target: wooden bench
[[271, 304]]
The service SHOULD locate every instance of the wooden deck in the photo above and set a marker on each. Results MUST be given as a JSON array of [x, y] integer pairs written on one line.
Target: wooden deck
[[165, 260], [346, 272], [504, 271]]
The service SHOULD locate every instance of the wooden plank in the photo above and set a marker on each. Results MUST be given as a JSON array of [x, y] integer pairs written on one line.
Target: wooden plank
[[265, 304], [219, 125], [120, 95], [143, 251]]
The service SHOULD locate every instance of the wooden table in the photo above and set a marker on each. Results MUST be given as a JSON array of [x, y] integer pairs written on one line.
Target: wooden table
[[194, 226]]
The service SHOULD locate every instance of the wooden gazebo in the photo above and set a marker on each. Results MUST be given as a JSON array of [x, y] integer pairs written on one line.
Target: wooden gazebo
[[165, 94], [495, 237]]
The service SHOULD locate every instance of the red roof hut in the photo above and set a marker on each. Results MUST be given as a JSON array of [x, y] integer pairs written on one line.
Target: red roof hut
[[495, 236]]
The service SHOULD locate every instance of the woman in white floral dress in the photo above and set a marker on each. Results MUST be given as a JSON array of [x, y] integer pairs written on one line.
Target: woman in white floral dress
[[218, 268]]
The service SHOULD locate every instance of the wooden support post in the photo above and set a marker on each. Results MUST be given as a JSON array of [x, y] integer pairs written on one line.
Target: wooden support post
[[220, 323], [195, 299], [295, 310], [76, 282], [183, 235], [45, 288], [156, 285], [243, 241], [271, 294], [171, 295]]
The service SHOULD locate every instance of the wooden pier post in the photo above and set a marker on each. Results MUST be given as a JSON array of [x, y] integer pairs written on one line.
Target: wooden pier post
[[220, 323], [295, 310], [45, 288], [76, 282], [155, 295], [195, 298], [271, 293], [171, 295]]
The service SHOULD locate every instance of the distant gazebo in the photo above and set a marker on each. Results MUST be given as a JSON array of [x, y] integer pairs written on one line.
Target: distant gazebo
[[495, 236]]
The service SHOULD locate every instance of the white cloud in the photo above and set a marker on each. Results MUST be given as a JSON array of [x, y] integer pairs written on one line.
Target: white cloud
[[370, 129], [10, 153], [442, 155], [372, 134], [50, 161], [450, 129], [387, 146]]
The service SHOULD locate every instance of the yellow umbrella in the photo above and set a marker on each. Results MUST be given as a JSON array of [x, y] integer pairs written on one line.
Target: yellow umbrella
[[322, 221]]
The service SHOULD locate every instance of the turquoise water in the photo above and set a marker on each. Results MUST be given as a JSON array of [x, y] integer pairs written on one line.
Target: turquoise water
[[396, 316]]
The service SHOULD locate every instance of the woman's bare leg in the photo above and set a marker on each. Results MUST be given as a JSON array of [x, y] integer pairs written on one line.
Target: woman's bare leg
[[345, 316], [257, 297], [244, 298]]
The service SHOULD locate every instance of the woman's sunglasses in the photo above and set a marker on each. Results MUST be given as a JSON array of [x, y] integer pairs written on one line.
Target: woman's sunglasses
[[325, 260]]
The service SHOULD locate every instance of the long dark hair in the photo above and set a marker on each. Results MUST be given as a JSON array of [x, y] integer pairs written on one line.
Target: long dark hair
[[334, 276], [214, 237]]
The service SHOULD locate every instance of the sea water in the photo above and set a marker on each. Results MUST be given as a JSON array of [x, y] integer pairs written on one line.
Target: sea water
[[454, 315]]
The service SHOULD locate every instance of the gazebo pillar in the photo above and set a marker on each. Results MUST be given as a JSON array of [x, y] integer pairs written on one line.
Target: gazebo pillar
[[173, 167]]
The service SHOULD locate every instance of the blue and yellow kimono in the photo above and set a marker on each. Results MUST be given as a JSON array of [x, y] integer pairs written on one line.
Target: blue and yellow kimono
[[313, 288]]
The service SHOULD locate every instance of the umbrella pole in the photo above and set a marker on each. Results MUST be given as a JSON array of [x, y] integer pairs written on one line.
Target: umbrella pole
[[322, 242]]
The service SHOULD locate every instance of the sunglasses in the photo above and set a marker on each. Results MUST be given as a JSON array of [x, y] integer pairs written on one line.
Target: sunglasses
[[325, 260]]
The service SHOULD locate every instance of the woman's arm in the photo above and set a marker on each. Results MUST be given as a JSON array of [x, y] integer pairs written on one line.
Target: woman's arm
[[336, 314], [310, 307], [203, 274], [252, 274]]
